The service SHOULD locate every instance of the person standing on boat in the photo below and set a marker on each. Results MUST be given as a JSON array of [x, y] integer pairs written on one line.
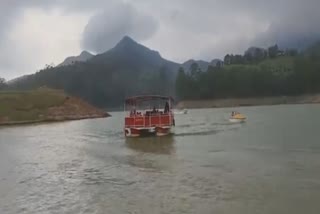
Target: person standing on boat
[[166, 107], [154, 110]]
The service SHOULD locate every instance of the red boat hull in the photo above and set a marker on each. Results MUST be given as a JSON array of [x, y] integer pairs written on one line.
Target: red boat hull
[[144, 132]]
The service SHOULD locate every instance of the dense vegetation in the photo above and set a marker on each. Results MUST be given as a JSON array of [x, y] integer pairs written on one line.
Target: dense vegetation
[[258, 72], [99, 84], [42, 105]]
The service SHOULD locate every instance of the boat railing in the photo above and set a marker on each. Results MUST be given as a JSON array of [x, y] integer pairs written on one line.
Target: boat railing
[[148, 114], [150, 119]]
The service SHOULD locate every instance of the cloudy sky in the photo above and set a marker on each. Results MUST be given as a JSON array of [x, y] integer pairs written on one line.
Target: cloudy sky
[[38, 32]]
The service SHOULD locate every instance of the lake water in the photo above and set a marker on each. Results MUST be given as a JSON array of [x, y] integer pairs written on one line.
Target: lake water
[[270, 164]]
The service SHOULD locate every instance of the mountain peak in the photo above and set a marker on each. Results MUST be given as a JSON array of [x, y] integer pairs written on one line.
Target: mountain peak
[[125, 42], [129, 47], [127, 39], [129, 52], [86, 54]]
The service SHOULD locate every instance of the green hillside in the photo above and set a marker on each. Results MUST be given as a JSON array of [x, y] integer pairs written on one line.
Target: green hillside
[[42, 105], [255, 74], [32, 105]]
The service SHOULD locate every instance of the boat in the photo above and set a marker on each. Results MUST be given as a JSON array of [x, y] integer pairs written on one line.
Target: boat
[[150, 121], [236, 117]]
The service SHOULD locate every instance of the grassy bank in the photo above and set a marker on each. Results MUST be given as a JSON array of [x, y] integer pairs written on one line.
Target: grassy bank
[[43, 105]]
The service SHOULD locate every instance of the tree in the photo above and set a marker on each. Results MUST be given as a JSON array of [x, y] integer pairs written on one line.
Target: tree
[[232, 59], [273, 51], [181, 84], [238, 59], [227, 60], [194, 69], [259, 54], [163, 81], [291, 52], [219, 64], [254, 54], [2, 83]]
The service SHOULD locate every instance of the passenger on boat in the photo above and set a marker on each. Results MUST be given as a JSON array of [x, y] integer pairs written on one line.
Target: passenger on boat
[[234, 113], [154, 110], [166, 107]]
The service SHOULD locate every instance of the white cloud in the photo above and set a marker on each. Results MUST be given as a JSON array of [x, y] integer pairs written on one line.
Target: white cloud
[[38, 38], [39, 32], [105, 29]]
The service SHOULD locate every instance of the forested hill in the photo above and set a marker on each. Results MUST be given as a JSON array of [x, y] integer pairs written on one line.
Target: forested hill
[[131, 68], [136, 56], [258, 73], [106, 79]]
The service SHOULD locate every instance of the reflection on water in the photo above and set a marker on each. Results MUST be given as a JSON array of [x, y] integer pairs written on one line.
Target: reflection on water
[[156, 145]]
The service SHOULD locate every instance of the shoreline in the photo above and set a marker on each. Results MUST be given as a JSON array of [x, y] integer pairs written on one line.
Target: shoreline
[[29, 122], [253, 101]]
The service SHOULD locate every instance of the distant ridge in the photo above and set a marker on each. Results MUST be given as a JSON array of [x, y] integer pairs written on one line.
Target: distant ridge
[[84, 56]]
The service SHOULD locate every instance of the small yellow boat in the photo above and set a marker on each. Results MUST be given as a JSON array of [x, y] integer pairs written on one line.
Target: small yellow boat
[[236, 117]]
